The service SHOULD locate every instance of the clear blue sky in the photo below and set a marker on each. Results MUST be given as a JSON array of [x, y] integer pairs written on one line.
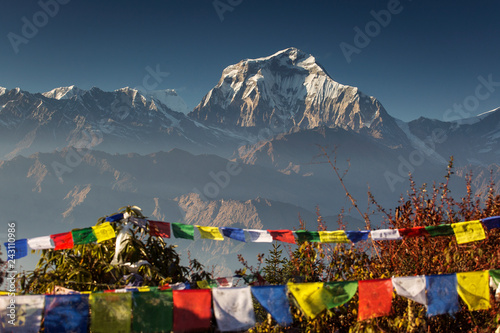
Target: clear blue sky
[[427, 58]]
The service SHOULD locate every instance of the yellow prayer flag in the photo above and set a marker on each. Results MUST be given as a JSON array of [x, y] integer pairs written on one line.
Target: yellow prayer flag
[[103, 231], [309, 296], [144, 289], [210, 233], [338, 236], [203, 284], [470, 231], [473, 288]]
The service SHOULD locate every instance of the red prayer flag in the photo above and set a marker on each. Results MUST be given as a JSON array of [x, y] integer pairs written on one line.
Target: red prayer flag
[[375, 298], [192, 309], [159, 229], [413, 232], [62, 241], [283, 236]]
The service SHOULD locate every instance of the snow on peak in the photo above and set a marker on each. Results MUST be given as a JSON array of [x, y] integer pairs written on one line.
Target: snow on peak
[[168, 97], [64, 92], [2, 90]]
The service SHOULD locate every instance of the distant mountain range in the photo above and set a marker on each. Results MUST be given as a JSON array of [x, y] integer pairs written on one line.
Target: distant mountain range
[[246, 156]]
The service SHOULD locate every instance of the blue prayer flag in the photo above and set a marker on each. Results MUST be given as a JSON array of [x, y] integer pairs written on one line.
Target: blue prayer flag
[[274, 300], [442, 294], [234, 233], [66, 313], [491, 222], [17, 249], [356, 236], [114, 218]]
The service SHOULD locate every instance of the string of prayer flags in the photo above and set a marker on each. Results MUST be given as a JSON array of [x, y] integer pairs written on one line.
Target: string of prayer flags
[[283, 236], [41, 243], [234, 233], [189, 315], [111, 312], [62, 241], [309, 236], [466, 232], [233, 308], [185, 231], [385, 234], [412, 287], [114, 218], [440, 230], [337, 236], [104, 231], [83, 236], [309, 297], [357, 236], [442, 295], [274, 300], [159, 229], [259, 236], [17, 249], [152, 311], [375, 298], [473, 289], [339, 292], [66, 313], [210, 233], [413, 232], [491, 222]]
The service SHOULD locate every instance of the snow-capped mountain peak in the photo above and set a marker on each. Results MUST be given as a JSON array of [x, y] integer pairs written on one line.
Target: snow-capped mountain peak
[[2, 90], [168, 97], [64, 92]]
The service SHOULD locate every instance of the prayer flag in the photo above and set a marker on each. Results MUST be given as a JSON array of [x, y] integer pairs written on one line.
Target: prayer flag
[[309, 297], [224, 282], [233, 233], [495, 282], [375, 298], [356, 236], [104, 231], [152, 311], [491, 222], [183, 230], [337, 236], [138, 222], [309, 236], [466, 232], [210, 233], [41, 243], [110, 312], [473, 289], [17, 249], [189, 315], [439, 230], [83, 236], [114, 218], [385, 234], [339, 293], [62, 241], [259, 236], [283, 236], [28, 314], [233, 308], [442, 295], [66, 313], [159, 229], [274, 300], [206, 284], [412, 287], [413, 232]]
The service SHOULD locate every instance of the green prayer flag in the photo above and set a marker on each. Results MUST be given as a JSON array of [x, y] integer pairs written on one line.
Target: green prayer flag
[[309, 236], [83, 236], [153, 311], [183, 230], [440, 230], [110, 312], [495, 275], [339, 293]]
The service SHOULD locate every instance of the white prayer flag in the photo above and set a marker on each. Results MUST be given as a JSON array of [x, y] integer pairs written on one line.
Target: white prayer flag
[[412, 287], [27, 317], [259, 236], [233, 308], [41, 243], [385, 234]]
